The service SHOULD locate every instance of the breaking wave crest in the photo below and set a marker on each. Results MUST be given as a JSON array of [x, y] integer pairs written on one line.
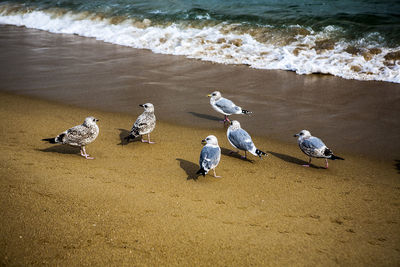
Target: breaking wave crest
[[292, 47]]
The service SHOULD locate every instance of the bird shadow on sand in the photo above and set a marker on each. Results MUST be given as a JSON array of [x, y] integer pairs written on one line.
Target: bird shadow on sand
[[234, 154], [124, 133], [62, 149], [190, 168], [397, 165], [205, 116], [293, 160]]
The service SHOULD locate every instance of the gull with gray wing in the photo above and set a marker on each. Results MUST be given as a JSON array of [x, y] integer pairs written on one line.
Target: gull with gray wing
[[210, 155], [240, 139], [314, 147], [225, 106]]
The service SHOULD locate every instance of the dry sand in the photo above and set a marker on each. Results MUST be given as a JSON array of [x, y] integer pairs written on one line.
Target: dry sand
[[138, 204]]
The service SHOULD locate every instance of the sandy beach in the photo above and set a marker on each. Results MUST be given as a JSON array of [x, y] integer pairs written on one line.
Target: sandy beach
[[140, 204]]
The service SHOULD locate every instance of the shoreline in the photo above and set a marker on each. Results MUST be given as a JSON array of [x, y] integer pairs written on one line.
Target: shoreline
[[331, 49], [58, 208], [350, 116]]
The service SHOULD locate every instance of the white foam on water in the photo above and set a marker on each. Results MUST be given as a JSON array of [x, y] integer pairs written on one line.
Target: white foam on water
[[214, 44]]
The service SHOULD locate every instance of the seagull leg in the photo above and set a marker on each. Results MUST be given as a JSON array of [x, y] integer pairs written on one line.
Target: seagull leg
[[245, 155], [215, 175], [226, 119], [86, 155], [326, 163], [143, 141], [307, 165], [148, 139], [82, 152]]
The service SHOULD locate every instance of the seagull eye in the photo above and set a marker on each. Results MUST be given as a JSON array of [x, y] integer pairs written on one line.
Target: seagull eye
[[94, 119], [145, 106], [301, 133]]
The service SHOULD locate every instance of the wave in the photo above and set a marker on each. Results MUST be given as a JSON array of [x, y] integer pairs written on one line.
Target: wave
[[292, 47]]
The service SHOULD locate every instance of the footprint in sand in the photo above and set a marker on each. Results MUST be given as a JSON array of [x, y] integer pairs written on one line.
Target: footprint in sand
[[312, 234], [377, 242], [337, 221], [314, 216]]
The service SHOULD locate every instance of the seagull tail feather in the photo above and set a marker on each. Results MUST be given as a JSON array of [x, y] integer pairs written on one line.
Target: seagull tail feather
[[330, 155], [202, 171], [132, 135], [260, 153], [333, 157], [247, 112]]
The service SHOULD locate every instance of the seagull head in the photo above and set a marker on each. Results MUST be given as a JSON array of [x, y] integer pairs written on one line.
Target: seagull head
[[235, 125], [90, 121], [210, 140], [147, 107], [303, 134], [215, 95]]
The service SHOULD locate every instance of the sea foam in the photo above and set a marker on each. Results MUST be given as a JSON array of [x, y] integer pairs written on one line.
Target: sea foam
[[304, 53]]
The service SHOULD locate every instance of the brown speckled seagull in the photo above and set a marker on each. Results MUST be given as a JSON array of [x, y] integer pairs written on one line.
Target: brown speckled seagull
[[144, 124], [80, 135]]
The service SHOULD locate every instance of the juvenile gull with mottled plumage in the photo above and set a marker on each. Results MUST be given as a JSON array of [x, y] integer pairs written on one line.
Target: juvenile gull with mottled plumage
[[80, 135], [144, 124], [314, 147], [225, 106]]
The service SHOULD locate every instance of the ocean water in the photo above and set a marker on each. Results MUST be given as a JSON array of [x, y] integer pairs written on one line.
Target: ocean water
[[352, 39]]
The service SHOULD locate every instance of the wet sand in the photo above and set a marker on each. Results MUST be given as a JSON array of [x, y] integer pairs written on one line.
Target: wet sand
[[350, 116], [139, 204]]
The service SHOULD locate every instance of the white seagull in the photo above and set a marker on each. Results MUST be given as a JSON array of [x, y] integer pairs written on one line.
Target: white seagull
[[314, 147], [210, 156], [80, 135], [144, 124], [240, 139], [225, 106]]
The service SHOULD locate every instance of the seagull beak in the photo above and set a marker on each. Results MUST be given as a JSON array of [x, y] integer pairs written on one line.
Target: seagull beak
[[141, 105], [296, 135], [97, 120], [203, 142], [209, 95]]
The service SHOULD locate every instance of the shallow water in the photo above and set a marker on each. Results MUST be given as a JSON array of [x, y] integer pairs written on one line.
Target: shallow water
[[350, 39]]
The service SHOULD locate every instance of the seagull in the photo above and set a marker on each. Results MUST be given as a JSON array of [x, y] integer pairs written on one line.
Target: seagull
[[240, 139], [225, 106], [209, 156], [314, 147], [80, 135], [144, 124]]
